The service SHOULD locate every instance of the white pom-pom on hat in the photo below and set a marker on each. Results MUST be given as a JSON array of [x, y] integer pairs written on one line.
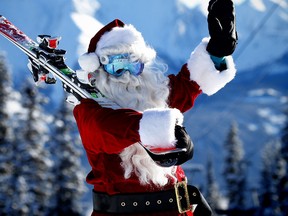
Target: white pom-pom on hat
[[89, 62]]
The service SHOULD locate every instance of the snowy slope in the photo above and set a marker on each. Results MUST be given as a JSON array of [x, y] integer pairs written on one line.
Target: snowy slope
[[256, 97]]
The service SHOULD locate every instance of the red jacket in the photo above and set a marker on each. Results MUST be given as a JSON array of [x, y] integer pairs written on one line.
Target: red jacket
[[106, 132]]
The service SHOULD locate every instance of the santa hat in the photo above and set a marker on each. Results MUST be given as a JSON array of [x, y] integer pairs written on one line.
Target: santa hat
[[115, 38]]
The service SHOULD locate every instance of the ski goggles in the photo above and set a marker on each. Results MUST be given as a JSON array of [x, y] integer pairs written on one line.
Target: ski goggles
[[120, 63]]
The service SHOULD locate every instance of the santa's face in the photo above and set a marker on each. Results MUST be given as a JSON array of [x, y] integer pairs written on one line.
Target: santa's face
[[146, 90]]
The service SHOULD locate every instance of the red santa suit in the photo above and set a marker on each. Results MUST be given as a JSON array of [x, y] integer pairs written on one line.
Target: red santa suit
[[106, 132]]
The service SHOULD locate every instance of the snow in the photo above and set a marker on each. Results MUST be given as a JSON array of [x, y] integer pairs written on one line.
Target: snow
[[282, 3], [264, 113], [87, 24], [270, 129], [13, 107], [273, 118], [261, 92], [252, 127], [202, 4], [83, 22], [191, 4], [284, 99], [258, 5], [273, 123], [88, 7], [223, 203]]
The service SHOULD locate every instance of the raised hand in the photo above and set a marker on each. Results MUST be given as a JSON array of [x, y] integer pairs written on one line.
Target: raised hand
[[222, 28]]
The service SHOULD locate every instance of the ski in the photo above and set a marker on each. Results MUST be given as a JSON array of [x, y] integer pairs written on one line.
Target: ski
[[49, 60]]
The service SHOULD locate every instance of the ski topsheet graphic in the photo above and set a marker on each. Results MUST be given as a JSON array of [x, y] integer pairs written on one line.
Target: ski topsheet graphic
[[49, 61]]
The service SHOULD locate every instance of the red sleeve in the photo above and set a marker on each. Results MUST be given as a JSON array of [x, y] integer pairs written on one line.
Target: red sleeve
[[183, 91], [104, 129]]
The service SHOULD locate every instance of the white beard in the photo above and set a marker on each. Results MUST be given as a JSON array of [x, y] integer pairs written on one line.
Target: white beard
[[149, 90], [136, 160]]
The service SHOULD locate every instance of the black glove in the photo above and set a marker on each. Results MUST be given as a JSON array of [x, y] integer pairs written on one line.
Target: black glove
[[178, 156], [222, 28], [183, 141]]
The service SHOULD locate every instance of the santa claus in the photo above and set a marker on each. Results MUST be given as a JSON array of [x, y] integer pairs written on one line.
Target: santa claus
[[128, 176]]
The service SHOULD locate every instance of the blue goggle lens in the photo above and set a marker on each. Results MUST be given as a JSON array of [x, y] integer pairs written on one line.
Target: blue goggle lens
[[118, 64]]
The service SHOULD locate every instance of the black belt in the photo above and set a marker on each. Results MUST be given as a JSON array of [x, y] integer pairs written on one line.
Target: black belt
[[181, 198]]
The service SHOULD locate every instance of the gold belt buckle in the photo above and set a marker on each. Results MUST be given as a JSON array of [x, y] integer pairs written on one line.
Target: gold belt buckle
[[183, 185]]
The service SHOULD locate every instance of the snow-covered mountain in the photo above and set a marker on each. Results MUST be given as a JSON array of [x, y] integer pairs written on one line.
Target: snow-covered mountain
[[256, 97], [173, 27]]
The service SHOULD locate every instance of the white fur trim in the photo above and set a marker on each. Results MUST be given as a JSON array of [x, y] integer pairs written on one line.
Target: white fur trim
[[83, 76], [203, 71], [89, 62], [125, 40], [157, 127]]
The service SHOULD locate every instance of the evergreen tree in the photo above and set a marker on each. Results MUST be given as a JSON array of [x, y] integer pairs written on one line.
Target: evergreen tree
[[284, 138], [68, 179], [32, 163], [234, 170], [272, 172], [213, 195], [5, 89], [6, 139], [283, 185]]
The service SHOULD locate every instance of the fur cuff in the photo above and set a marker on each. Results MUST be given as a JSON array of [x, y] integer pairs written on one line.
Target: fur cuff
[[157, 127], [204, 73]]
